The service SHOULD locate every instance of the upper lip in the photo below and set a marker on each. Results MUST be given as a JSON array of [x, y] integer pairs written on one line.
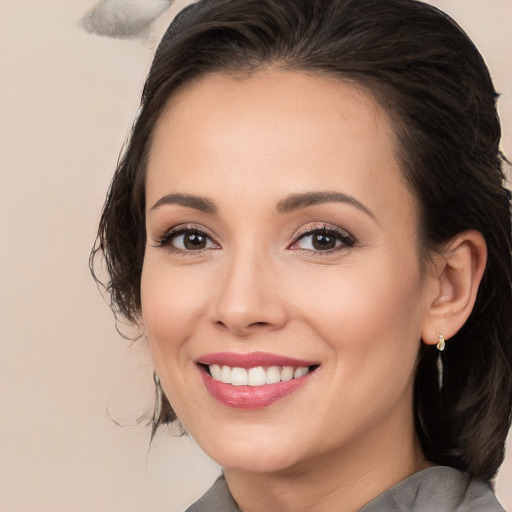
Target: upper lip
[[252, 359]]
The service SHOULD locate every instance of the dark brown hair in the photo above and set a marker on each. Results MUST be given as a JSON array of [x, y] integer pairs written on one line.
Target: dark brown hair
[[423, 69]]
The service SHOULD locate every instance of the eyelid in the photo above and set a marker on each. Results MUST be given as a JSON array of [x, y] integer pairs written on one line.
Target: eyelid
[[347, 239], [319, 226], [164, 239]]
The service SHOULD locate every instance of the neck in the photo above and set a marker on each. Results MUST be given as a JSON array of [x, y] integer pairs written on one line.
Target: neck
[[343, 480]]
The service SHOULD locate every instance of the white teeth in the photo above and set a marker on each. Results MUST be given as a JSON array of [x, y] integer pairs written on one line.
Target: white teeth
[[216, 371], [273, 375], [300, 372], [238, 377], [287, 373], [225, 375], [257, 376]]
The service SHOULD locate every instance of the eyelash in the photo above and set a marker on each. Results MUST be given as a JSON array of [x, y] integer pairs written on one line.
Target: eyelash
[[165, 240], [346, 239], [342, 236]]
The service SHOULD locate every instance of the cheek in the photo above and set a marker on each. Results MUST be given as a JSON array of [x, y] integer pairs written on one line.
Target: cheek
[[371, 324], [365, 298], [171, 304], [371, 319]]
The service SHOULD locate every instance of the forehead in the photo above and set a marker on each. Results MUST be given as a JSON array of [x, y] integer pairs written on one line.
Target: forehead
[[272, 133], [270, 99]]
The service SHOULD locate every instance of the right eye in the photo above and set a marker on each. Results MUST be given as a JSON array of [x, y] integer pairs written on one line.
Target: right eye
[[187, 240]]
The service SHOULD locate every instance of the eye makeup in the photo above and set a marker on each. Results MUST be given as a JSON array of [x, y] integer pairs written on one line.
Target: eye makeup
[[318, 238], [187, 239], [322, 238]]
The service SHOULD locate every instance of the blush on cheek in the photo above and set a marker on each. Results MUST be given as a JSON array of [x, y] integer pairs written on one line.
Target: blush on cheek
[[171, 312], [364, 313]]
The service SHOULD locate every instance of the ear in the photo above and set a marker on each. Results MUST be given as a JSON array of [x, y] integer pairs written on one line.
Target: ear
[[458, 272]]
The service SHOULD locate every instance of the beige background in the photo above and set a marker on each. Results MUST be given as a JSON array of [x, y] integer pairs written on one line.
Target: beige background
[[67, 99]]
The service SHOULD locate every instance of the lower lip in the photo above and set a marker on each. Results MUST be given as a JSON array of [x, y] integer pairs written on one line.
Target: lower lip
[[250, 397]]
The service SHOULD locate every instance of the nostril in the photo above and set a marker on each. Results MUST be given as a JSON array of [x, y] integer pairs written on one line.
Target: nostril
[[258, 325]]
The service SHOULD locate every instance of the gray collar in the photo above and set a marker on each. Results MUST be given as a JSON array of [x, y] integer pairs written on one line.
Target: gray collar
[[437, 489]]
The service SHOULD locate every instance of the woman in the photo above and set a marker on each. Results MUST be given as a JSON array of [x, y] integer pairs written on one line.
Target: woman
[[310, 227]]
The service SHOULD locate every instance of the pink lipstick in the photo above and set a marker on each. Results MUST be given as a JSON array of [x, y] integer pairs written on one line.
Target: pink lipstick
[[252, 380]]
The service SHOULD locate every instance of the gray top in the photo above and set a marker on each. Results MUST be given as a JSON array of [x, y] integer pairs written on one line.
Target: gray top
[[437, 489]]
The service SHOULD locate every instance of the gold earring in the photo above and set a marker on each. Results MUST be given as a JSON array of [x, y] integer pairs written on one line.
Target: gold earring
[[441, 343], [440, 369]]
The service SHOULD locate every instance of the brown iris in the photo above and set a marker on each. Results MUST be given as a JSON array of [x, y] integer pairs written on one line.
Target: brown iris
[[323, 241]]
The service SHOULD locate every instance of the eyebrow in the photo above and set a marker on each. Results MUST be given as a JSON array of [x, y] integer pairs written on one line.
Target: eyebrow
[[289, 204], [298, 201], [198, 203]]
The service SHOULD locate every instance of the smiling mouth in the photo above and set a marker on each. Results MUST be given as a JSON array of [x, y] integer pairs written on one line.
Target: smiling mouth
[[255, 376], [253, 380]]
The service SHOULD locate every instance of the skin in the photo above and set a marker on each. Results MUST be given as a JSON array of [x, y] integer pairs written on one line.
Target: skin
[[360, 310]]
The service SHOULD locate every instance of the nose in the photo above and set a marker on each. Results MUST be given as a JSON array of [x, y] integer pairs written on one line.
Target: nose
[[249, 296]]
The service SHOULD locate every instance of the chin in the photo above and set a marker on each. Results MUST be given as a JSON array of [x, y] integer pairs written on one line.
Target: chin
[[250, 455], [261, 462]]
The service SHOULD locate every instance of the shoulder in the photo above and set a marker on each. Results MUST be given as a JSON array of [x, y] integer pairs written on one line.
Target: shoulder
[[217, 498], [479, 497], [437, 489]]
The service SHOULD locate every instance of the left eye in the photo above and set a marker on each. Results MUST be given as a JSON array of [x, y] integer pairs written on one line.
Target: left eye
[[189, 240], [323, 240]]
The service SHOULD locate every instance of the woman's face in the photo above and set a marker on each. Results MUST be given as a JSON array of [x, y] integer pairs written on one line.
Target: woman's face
[[281, 239]]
